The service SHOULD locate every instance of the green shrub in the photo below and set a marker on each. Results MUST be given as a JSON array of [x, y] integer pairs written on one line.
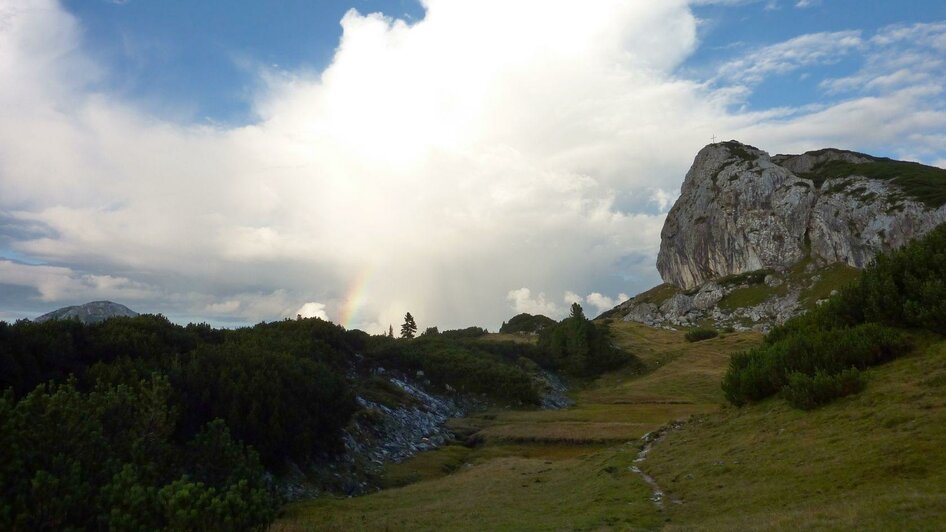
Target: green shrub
[[764, 371], [580, 348], [526, 323], [811, 391], [469, 332], [696, 335]]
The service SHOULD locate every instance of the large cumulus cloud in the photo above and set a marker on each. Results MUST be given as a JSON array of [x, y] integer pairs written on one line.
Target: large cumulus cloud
[[440, 166]]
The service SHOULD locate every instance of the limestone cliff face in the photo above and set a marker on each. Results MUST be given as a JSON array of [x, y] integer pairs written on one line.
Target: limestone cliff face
[[741, 210]]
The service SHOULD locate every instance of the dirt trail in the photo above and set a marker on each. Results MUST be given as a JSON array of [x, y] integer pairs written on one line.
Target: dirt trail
[[649, 440]]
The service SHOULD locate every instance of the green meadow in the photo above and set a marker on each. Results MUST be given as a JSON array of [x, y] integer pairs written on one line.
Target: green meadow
[[870, 461]]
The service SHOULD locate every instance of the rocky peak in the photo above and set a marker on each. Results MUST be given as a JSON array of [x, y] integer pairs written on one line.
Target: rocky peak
[[741, 210], [93, 312], [754, 239]]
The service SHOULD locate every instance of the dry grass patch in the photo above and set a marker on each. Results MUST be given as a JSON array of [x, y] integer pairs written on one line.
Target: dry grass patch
[[519, 338], [564, 432], [594, 492], [678, 370]]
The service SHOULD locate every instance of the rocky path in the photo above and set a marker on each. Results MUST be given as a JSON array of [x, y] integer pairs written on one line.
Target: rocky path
[[648, 441]]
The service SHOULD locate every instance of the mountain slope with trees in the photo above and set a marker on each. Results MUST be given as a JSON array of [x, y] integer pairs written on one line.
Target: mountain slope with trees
[[136, 404]]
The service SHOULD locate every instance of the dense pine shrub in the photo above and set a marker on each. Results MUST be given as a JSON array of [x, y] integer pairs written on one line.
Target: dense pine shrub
[[811, 391], [108, 459], [765, 370]]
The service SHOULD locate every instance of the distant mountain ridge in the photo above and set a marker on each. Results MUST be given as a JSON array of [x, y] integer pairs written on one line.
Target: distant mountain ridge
[[93, 312], [755, 239]]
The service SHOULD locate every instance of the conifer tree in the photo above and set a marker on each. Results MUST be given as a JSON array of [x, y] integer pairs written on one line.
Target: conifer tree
[[577, 312], [409, 328]]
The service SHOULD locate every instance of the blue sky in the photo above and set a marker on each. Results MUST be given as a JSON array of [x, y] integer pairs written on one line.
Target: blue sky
[[731, 30], [199, 58], [464, 160]]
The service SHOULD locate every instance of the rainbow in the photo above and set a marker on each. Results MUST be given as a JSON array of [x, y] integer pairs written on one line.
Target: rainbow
[[355, 297]]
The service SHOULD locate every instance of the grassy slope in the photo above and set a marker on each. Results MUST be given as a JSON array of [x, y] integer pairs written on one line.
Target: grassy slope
[[544, 470], [814, 286], [871, 461]]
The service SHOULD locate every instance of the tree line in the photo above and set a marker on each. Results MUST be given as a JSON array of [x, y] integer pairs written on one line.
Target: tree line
[[140, 423]]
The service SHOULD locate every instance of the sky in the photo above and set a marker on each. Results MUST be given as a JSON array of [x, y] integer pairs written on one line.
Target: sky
[[246, 161]]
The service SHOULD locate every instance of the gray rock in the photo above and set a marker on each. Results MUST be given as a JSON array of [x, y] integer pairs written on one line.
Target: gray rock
[[740, 210], [678, 305], [644, 313], [737, 212], [708, 296], [93, 312], [857, 218]]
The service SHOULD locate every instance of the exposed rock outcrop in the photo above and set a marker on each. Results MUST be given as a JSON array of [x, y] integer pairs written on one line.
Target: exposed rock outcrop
[[741, 210], [755, 239], [412, 420]]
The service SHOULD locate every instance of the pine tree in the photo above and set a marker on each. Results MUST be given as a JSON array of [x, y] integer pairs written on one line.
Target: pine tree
[[409, 328], [390, 331], [577, 312]]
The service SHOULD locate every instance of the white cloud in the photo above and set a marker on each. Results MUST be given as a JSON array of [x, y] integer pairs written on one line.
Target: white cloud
[[926, 34], [793, 54], [312, 309], [53, 283], [521, 300], [602, 303], [897, 57], [571, 297], [422, 155], [664, 199], [433, 167], [227, 308]]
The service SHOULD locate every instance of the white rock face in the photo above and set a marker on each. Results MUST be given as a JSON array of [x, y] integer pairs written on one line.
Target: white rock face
[[741, 210], [857, 218]]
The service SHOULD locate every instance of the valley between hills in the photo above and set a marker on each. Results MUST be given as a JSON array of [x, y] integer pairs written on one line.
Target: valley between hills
[[870, 461]]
